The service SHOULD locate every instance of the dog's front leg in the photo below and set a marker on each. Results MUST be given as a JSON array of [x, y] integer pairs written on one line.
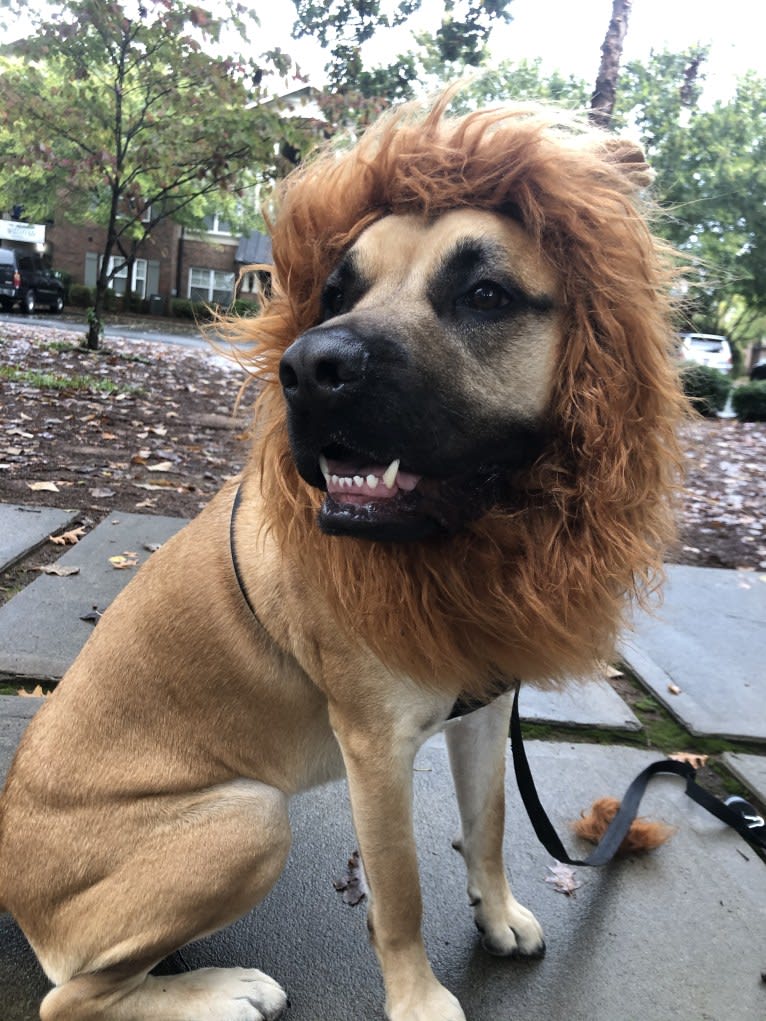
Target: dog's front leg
[[379, 760], [477, 745]]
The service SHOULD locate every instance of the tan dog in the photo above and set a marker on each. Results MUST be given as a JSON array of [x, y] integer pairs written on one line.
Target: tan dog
[[463, 456]]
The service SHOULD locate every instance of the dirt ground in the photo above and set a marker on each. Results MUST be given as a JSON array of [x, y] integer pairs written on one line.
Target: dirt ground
[[152, 428]]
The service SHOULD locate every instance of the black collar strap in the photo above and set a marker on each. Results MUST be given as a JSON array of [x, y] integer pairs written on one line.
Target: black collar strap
[[735, 812], [233, 548], [464, 705]]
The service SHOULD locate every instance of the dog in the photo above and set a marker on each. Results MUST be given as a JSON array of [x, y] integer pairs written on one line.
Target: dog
[[462, 474]]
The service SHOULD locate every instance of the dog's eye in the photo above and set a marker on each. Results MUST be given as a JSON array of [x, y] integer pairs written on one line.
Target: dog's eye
[[486, 296], [332, 300]]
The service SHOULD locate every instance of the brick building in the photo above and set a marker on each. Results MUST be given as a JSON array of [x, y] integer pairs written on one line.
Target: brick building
[[173, 262]]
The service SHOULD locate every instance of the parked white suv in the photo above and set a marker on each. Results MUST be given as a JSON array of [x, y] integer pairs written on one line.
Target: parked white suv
[[706, 349]]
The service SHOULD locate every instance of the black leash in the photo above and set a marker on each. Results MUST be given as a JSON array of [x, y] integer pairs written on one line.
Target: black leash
[[735, 812]]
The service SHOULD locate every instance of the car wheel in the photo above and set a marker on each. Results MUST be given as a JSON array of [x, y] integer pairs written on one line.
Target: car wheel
[[6, 306], [28, 302], [58, 304]]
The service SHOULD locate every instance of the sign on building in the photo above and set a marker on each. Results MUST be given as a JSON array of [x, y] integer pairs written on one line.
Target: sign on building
[[12, 230]]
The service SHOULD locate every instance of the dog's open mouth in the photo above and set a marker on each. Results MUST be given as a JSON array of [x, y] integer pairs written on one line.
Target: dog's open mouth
[[388, 502], [360, 485]]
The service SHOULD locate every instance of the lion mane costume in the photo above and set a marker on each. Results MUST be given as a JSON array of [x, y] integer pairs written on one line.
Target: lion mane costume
[[537, 590]]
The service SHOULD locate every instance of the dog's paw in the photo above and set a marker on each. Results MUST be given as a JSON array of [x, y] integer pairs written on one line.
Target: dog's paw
[[512, 931], [229, 994], [436, 1004]]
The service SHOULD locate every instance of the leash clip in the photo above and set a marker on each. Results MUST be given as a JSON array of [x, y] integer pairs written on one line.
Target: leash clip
[[751, 818]]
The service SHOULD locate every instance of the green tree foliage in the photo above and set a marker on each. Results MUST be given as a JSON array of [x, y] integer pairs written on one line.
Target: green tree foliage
[[516, 81], [123, 114], [711, 182], [357, 93]]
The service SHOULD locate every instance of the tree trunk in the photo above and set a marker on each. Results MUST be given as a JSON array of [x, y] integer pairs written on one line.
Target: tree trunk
[[602, 100], [96, 311]]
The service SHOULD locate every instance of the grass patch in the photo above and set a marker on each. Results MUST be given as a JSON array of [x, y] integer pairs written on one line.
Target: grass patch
[[52, 381], [61, 346], [8, 687]]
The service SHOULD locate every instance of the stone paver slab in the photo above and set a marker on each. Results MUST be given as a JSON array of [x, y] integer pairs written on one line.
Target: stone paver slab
[[15, 713], [591, 704], [749, 770], [40, 627], [678, 934], [24, 528], [708, 640]]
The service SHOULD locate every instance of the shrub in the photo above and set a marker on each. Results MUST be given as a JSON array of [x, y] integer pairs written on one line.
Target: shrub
[[133, 302], [182, 308], [749, 401], [706, 388], [240, 307], [80, 295], [204, 311]]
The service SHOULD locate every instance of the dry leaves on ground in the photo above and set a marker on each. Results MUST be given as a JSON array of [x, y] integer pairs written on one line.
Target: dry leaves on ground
[[563, 879]]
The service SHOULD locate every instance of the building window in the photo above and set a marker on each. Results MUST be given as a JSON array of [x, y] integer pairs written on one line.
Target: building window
[[215, 224], [119, 282], [211, 285]]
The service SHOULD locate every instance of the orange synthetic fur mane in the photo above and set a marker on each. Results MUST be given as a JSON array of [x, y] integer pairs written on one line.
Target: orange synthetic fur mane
[[538, 591]]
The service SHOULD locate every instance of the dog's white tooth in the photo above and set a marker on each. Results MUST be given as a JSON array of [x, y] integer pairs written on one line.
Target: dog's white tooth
[[389, 476], [358, 480], [372, 481], [335, 480], [324, 467]]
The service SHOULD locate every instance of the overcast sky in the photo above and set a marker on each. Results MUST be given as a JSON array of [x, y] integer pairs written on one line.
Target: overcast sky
[[567, 34]]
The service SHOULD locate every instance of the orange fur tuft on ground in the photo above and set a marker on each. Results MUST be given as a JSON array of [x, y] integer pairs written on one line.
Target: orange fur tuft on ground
[[644, 834]]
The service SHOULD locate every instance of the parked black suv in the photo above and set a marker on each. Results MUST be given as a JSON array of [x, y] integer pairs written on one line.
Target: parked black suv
[[26, 280]]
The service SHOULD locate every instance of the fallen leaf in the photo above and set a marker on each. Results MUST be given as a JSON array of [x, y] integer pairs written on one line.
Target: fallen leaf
[[101, 493], [70, 538], [674, 689], [162, 466], [353, 885], [695, 760], [563, 879], [43, 487], [164, 484], [57, 569], [123, 561]]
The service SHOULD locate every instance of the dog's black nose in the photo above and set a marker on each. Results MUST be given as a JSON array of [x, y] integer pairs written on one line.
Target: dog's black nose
[[325, 364]]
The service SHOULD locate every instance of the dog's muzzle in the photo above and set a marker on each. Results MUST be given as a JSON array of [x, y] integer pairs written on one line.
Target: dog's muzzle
[[377, 435]]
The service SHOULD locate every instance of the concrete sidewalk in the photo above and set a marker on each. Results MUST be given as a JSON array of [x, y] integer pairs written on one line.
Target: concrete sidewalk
[[676, 935]]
